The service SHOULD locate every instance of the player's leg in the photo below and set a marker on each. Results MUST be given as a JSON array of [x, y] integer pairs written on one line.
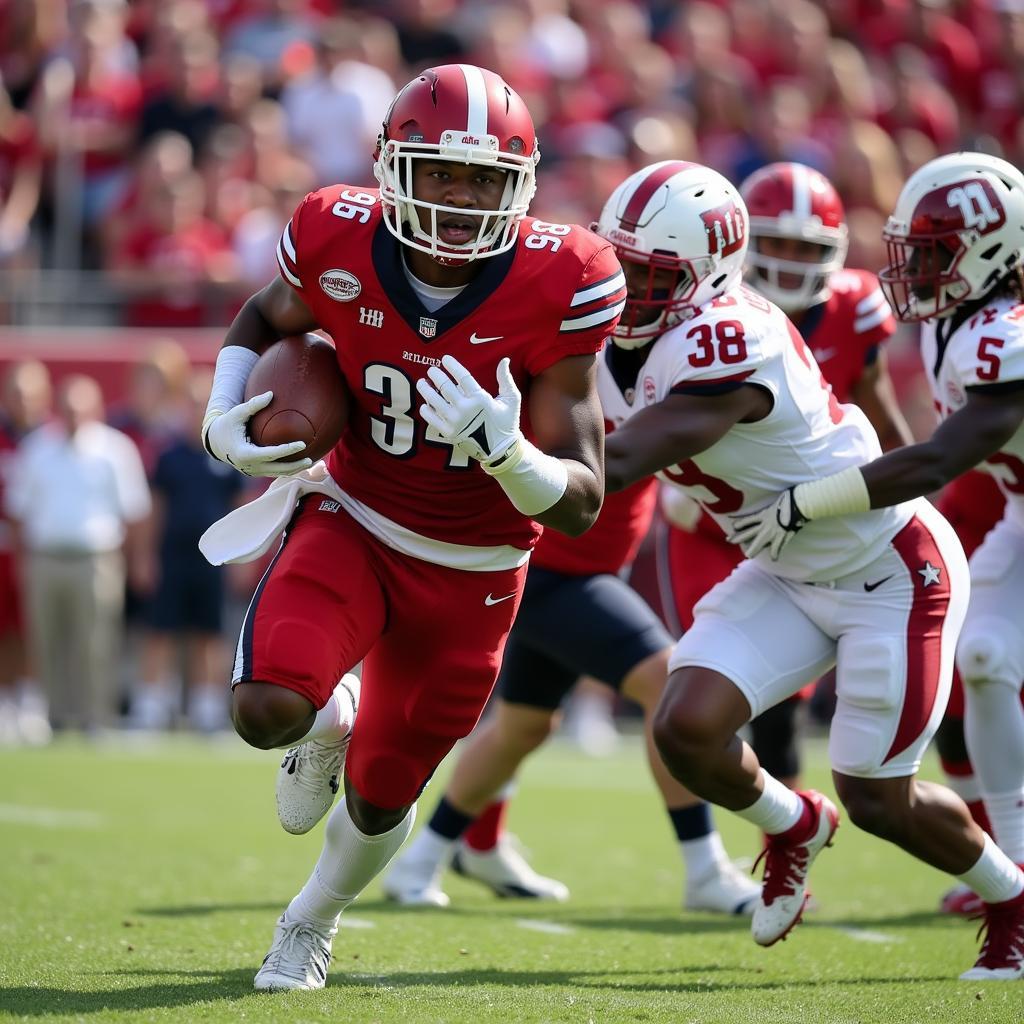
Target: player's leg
[[205, 649], [313, 616], [895, 664], [728, 667], [990, 656], [530, 689], [427, 680]]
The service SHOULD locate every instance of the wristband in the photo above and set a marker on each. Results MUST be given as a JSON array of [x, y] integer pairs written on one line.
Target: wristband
[[841, 494], [234, 364], [532, 480]]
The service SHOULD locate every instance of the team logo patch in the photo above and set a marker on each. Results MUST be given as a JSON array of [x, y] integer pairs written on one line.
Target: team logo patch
[[327, 505], [955, 394], [619, 237], [650, 391], [428, 327], [340, 285]]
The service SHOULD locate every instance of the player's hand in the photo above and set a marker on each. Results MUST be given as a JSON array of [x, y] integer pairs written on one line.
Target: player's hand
[[482, 425], [771, 527], [679, 508], [224, 435]]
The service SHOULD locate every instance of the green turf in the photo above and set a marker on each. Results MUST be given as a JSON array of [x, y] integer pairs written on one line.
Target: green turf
[[155, 899]]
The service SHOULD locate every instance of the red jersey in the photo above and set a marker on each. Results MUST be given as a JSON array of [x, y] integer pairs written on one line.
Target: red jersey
[[845, 330], [558, 292]]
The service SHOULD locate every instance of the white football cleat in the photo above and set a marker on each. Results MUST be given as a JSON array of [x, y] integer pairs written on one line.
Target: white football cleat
[[415, 881], [787, 861], [728, 891], [299, 957], [504, 870], [311, 774], [1002, 953]]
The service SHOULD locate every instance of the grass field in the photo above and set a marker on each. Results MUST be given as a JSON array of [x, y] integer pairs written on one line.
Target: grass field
[[143, 884]]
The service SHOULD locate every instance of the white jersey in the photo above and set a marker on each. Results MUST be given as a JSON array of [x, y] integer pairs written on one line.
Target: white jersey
[[742, 337], [988, 349]]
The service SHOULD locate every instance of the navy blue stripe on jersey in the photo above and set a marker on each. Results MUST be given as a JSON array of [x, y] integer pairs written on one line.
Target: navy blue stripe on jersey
[[286, 257], [712, 386], [604, 289], [592, 318], [387, 262]]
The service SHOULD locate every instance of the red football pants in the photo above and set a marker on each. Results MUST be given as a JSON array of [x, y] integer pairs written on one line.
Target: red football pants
[[430, 639]]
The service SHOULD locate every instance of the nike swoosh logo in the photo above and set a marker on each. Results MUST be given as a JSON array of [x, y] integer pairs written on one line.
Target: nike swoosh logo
[[874, 586], [475, 340], [490, 599], [824, 354]]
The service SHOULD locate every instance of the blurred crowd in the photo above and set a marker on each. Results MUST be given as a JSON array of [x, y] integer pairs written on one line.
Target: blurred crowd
[[166, 143], [109, 615]]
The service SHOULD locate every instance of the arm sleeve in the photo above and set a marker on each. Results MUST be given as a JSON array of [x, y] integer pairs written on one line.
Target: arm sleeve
[[593, 311]]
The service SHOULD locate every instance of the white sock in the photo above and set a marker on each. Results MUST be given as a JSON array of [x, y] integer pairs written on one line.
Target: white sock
[[776, 810], [1006, 812], [427, 847], [994, 877], [965, 786], [349, 861], [333, 720], [703, 856]]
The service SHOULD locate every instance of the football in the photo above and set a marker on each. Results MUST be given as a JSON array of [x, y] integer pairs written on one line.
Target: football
[[311, 400]]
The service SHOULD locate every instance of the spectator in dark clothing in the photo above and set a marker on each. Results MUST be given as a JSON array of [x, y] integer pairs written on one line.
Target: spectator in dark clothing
[[191, 491]]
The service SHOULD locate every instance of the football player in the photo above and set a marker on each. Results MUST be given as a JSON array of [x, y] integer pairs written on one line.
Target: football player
[[731, 406], [412, 555], [578, 617], [796, 258], [955, 242]]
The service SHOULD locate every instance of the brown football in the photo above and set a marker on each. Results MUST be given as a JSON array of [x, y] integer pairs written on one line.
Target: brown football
[[311, 399]]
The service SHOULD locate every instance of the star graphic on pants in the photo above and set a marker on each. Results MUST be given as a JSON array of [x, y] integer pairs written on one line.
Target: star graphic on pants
[[930, 574]]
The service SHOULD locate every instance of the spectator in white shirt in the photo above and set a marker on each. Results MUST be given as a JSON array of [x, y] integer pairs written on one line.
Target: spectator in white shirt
[[79, 499]]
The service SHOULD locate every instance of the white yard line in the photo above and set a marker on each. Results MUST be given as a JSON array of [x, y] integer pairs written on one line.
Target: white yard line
[[547, 927], [865, 934], [48, 817]]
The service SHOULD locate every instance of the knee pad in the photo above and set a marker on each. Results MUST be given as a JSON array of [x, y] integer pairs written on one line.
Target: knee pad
[[984, 657]]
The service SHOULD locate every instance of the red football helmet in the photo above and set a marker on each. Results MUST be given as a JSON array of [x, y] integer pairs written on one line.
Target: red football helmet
[[792, 201], [463, 114], [957, 230]]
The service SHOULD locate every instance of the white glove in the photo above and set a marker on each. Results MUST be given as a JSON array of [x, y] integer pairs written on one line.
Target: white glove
[[679, 508], [771, 527], [225, 438], [485, 427]]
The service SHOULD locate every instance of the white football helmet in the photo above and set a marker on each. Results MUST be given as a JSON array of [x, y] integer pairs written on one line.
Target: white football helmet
[[957, 229], [676, 216]]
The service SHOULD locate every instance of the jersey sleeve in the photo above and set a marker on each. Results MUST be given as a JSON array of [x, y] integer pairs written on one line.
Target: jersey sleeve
[[594, 308], [719, 350], [287, 253], [990, 351], [873, 321]]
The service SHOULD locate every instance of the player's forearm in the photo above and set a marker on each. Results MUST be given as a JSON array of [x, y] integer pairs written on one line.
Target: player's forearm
[[252, 329], [578, 507]]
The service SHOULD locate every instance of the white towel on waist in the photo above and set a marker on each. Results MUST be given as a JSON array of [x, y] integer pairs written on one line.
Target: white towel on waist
[[248, 532]]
